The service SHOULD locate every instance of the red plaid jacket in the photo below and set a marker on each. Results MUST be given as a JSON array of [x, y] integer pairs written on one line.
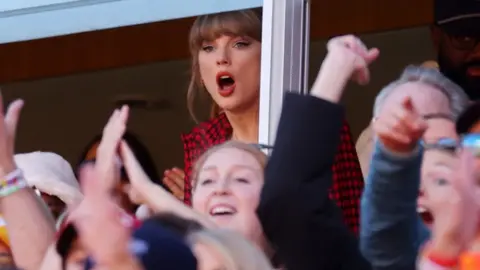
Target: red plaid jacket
[[347, 175]]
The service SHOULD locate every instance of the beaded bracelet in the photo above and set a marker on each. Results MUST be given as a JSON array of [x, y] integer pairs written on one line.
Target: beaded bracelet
[[12, 183]]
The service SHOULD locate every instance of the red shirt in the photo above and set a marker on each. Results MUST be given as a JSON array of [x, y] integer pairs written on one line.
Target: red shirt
[[347, 175]]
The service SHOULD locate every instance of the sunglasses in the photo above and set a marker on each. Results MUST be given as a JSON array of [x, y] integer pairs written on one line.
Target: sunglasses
[[470, 141]]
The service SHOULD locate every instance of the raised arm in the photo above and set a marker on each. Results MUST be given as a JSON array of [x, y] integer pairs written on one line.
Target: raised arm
[[31, 227], [391, 230], [296, 213]]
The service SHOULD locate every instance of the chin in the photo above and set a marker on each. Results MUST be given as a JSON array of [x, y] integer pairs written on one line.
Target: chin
[[228, 104], [235, 106]]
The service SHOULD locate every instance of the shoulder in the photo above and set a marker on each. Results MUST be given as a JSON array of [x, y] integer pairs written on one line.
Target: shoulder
[[207, 134], [212, 128], [365, 140]]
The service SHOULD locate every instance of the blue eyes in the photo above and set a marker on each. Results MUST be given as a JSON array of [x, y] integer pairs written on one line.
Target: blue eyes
[[206, 182], [441, 182], [238, 179], [207, 48], [239, 45], [241, 180]]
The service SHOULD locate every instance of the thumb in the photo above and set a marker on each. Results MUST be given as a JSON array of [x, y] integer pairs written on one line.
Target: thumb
[[132, 166], [12, 116], [372, 55]]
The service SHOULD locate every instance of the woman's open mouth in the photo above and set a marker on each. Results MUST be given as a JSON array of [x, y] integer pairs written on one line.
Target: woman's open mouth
[[226, 84], [426, 215]]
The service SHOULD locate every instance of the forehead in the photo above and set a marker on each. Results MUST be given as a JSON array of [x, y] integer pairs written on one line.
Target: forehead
[[433, 160], [426, 98], [439, 128], [229, 157], [211, 27]]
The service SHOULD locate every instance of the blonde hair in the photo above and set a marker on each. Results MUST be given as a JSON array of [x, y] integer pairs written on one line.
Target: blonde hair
[[208, 28], [237, 253], [259, 156]]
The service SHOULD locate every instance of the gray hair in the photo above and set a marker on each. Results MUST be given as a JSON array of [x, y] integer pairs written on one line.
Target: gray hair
[[456, 96]]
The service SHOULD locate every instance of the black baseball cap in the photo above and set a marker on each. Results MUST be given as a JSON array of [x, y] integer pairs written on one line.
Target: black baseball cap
[[468, 118], [458, 16]]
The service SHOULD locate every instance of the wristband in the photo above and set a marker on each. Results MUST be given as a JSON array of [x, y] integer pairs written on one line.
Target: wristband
[[470, 261], [12, 183], [427, 264], [439, 259], [442, 261]]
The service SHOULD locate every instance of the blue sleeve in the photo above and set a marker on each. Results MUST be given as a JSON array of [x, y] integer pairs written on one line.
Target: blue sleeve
[[391, 231]]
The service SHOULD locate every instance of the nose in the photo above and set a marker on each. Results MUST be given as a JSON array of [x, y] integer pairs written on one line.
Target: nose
[[223, 57], [222, 188]]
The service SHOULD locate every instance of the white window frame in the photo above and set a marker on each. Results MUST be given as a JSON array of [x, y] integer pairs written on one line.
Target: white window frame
[[285, 45], [22, 20]]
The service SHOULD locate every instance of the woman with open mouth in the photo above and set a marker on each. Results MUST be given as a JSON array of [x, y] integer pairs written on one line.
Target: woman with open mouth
[[226, 53]]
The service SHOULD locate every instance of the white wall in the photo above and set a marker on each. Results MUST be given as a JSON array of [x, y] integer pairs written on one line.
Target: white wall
[[63, 114]]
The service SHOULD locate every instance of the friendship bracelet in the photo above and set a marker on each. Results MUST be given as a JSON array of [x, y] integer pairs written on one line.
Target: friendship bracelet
[[12, 183], [427, 264], [440, 261]]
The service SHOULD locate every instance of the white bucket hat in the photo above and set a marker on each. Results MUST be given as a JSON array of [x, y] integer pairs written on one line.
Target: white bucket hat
[[51, 174]]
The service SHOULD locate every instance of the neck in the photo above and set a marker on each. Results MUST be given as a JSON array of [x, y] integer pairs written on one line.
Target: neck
[[245, 125]]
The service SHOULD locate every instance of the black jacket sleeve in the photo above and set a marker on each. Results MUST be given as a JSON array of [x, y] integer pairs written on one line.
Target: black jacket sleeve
[[298, 217]]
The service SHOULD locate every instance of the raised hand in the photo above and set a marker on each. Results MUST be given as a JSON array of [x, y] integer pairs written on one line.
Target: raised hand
[[453, 199], [139, 180], [400, 127], [136, 174], [108, 162], [154, 196], [174, 179], [8, 129], [352, 50], [347, 58], [102, 226]]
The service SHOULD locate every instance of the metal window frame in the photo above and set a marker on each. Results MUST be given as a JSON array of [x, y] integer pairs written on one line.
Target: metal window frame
[[284, 67]]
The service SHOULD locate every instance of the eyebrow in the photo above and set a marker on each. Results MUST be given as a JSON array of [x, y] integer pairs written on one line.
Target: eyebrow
[[442, 164], [214, 167], [431, 116], [207, 168]]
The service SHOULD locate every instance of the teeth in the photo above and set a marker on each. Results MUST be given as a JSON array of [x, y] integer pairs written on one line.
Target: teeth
[[222, 210], [224, 77], [421, 210]]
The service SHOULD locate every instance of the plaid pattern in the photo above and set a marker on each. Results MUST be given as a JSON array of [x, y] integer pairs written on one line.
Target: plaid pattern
[[347, 175]]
